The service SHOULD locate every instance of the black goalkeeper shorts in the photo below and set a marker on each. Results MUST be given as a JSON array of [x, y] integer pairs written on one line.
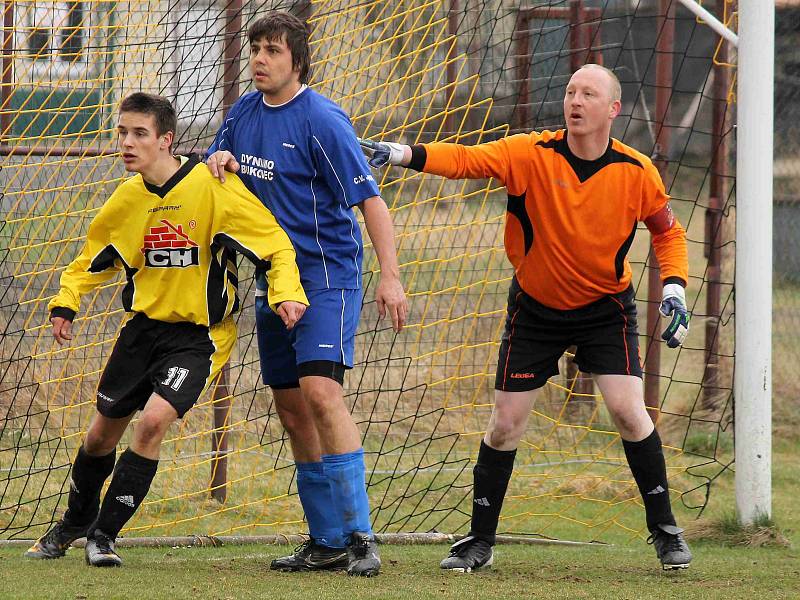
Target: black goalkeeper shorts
[[605, 333], [177, 361]]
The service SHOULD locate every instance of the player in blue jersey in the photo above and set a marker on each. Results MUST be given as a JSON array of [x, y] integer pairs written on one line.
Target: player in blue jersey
[[297, 151]]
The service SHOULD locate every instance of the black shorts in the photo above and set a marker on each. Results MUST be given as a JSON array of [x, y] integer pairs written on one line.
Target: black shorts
[[177, 361], [605, 333]]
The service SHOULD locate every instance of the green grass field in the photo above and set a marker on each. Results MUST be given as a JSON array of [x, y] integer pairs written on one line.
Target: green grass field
[[411, 572], [725, 566]]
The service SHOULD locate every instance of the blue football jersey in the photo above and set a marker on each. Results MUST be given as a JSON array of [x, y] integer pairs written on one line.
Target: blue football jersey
[[303, 161]]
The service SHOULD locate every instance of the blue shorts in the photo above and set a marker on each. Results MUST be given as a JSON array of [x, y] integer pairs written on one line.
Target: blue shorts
[[326, 332]]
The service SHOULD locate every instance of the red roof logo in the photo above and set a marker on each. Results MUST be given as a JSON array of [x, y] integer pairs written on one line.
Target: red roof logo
[[167, 236], [167, 245]]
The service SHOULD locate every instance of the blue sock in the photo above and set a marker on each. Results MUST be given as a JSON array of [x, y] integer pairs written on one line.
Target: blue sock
[[346, 474], [315, 496]]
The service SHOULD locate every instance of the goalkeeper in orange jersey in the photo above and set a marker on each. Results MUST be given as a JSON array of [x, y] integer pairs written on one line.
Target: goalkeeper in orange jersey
[[575, 197], [175, 231]]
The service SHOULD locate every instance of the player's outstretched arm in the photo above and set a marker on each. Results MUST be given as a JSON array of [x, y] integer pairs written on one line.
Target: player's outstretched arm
[[386, 153], [506, 159]]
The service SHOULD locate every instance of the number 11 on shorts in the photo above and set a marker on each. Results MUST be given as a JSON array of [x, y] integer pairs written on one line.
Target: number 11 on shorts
[[175, 377]]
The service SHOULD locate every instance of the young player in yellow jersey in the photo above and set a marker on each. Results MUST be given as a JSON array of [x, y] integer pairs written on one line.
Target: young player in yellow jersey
[[175, 231]]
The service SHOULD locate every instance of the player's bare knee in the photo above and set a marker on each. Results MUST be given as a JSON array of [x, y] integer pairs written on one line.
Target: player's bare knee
[[293, 410], [289, 419], [99, 443], [150, 429], [100, 440], [504, 432], [628, 424], [292, 414], [296, 423], [321, 402]]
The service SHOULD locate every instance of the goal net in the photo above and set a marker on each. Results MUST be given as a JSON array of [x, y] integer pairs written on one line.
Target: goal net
[[405, 70]]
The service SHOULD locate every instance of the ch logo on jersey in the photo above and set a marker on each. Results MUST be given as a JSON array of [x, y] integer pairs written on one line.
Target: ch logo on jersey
[[168, 245]]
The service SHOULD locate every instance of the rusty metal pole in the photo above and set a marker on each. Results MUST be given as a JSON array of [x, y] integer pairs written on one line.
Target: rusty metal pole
[[713, 222], [302, 10], [523, 67], [221, 400], [664, 48], [452, 31], [593, 35], [221, 406], [233, 49], [579, 53], [8, 69]]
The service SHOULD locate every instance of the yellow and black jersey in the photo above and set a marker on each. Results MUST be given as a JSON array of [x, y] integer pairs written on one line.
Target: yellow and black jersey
[[177, 245], [570, 222]]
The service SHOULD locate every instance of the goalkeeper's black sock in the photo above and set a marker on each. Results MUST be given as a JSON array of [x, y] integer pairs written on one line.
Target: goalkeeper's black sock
[[130, 484], [86, 480], [646, 460], [491, 474]]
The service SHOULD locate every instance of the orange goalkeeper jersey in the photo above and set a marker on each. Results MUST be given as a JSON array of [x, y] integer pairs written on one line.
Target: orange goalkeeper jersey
[[570, 222]]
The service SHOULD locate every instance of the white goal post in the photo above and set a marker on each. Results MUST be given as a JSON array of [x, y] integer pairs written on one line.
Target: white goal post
[[754, 148], [753, 362]]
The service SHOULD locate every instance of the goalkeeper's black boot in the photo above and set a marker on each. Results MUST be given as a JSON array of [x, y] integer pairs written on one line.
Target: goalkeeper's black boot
[[100, 551], [310, 556], [362, 552], [469, 554], [55, 542], [671, 548]]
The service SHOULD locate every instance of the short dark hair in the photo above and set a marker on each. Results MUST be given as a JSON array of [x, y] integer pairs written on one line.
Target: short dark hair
[[149, 104], [274, 26]]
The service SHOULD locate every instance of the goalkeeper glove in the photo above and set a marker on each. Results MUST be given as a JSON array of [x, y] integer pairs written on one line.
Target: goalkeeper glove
[[383, 152], [673, 303]]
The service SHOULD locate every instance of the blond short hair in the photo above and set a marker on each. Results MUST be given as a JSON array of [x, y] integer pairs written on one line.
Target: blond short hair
[[615, 88]]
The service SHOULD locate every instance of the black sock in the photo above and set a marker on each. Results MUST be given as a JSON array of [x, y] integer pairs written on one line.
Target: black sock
[[86, 480], [491, 474], [130, 484], [646, 460]]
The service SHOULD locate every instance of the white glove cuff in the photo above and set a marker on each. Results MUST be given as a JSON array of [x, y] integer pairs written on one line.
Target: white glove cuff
[[396, 152], [674, 290]]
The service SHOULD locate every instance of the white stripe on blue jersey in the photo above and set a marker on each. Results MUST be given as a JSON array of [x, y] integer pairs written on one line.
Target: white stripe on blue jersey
[[349, 214]]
